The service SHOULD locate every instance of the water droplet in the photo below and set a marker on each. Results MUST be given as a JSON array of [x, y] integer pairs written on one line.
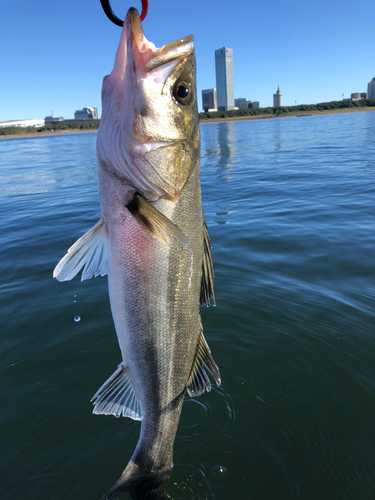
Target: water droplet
[[77, 318], [219, 472], [75, 295], [74, 301]]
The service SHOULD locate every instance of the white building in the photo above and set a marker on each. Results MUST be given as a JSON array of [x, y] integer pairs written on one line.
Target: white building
[[240, 103], [86, 114], [358, 96], [243, 103], [49, 120], [33, 122]]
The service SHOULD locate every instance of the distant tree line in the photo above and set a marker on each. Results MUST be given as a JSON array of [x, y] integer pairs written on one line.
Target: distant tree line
[[17, 130], [73, 125], [284, 110]]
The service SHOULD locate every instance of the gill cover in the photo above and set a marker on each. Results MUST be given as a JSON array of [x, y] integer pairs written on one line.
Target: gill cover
[[149, 127]]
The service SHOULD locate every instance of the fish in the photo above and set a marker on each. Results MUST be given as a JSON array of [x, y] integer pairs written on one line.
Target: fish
[[152, 242]]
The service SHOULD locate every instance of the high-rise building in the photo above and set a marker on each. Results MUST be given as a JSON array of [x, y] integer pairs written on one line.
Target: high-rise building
[[224, 78], [277, 98], [209, 101], [371, 89]]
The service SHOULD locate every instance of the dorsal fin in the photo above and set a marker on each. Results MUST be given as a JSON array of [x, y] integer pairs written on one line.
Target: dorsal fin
[[207, 284], [91, 251], [198, 380]]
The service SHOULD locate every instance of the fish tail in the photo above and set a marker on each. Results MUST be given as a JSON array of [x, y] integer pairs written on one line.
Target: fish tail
[[140, 484]]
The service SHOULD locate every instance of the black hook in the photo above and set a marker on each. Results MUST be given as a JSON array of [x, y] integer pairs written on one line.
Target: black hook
[[112, 16]]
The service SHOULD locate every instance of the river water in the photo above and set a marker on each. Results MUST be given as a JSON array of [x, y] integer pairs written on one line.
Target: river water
[[289, 204]]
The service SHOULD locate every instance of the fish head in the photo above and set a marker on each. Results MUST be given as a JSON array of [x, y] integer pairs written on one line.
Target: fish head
[[149, 130]]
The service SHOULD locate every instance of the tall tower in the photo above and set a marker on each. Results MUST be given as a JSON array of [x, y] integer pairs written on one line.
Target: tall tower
[[224, 78], [277, 98]]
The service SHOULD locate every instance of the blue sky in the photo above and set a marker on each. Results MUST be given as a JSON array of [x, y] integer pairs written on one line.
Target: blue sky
[[54, 55]]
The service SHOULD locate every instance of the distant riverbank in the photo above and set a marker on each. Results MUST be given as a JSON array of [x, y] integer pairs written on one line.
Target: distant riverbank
[[289, 115], [48, 132], [202, 121]]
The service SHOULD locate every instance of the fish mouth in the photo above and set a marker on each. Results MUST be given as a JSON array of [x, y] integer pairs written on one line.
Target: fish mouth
[[134, 29], [154, 58]]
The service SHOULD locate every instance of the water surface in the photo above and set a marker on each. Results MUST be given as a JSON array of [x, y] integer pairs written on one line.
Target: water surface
[[290, 209]]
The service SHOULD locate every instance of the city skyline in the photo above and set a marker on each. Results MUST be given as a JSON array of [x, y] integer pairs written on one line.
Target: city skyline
[[312, 61]]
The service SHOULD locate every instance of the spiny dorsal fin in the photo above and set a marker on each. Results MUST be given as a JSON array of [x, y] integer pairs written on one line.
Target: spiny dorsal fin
[[116, 397], [198, 380], [154, 221], [91, 251], [207, 285]]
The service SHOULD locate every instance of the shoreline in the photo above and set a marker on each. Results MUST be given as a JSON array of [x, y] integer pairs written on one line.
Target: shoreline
[[49, 132], [289, 115], [203, 122]]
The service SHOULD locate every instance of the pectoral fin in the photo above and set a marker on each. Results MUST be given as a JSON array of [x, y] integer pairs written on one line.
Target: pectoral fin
[[91, 251], [207, 284], [199, 381], [155, 222], [116, 397]]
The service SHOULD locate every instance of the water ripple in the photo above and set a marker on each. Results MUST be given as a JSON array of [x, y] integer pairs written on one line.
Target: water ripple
[[289, 206]]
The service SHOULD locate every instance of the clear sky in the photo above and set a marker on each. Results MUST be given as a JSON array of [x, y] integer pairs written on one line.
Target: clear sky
[[54, 54]]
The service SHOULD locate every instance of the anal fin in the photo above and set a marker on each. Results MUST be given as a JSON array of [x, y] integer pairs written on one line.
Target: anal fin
[[203, 363], [116, 397], [154, 221], [91, 251]]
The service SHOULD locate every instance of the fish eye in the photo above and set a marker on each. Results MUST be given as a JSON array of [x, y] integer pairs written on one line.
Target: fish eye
[[183, 93]]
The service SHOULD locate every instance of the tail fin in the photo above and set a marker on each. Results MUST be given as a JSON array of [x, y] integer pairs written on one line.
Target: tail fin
[[140, 484]]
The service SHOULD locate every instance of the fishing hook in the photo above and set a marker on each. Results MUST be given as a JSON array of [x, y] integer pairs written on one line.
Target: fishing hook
[[112, 16]]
